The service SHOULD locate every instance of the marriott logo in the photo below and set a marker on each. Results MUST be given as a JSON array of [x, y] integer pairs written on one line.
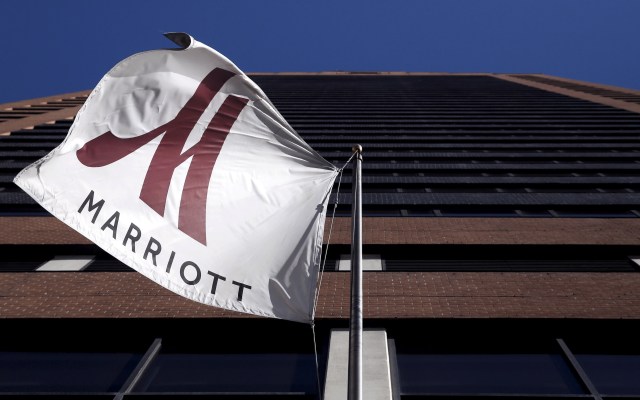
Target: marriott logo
[[107, 149]]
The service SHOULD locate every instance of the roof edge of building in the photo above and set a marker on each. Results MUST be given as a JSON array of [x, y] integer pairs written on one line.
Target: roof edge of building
[[29, 120], [608, 101], [43, 100]]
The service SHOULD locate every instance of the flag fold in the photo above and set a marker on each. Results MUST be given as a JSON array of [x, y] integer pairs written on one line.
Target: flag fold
[[179, 166]]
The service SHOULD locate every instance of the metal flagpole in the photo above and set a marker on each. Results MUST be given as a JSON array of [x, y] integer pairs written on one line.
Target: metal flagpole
[[355, 319]]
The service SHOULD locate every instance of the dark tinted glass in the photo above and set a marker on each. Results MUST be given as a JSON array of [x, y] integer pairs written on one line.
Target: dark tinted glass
[[230, 373], [486, 373], [64, 372], [612, 374]]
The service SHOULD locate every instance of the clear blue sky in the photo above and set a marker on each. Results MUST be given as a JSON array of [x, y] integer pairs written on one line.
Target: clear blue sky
[[52, 47]]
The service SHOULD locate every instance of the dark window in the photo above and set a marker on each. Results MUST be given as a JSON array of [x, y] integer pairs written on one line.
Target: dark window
[[238, 373], [612, 374], [485, 374], [65, 372]]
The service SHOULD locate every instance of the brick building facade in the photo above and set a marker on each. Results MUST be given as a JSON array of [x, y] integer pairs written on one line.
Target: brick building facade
[[501, 228]]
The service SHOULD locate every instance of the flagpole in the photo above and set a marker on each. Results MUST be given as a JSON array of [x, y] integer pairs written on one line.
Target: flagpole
[[355, 319]]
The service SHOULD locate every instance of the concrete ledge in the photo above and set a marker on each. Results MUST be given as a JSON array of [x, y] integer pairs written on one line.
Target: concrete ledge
[[376, 377]]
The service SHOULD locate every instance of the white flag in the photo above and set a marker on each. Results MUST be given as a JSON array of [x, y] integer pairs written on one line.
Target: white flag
[[180, 167]]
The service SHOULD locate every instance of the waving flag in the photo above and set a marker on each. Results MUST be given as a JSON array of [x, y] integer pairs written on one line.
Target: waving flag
[[180, 167]]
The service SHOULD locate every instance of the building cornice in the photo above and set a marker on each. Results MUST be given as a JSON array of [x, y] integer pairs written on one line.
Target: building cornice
[[24, 119]]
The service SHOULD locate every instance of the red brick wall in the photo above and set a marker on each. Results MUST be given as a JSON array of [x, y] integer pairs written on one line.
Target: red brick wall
[[386, 295], [49, 230]]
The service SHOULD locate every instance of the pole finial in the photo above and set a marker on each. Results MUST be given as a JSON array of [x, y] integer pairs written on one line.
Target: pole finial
[[356, 148]]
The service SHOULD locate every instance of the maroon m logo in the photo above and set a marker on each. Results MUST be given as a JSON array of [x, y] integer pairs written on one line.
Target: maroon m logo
[[107, 149]]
